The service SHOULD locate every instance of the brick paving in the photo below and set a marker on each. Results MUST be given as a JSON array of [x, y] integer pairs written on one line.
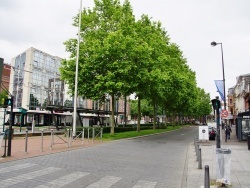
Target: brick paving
[[37, 146]]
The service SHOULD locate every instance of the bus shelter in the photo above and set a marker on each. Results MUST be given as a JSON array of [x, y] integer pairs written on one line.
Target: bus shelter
[[243, 126]]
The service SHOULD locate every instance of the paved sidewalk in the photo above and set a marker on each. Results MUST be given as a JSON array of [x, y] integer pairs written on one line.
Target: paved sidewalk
[[240, 163], [37, 146]]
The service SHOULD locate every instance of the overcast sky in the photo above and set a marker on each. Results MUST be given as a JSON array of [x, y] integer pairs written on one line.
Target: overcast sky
[[191, 24]]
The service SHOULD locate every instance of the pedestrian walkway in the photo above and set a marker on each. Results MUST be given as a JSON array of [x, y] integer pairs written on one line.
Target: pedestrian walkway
[[240, 163], [42, 144]]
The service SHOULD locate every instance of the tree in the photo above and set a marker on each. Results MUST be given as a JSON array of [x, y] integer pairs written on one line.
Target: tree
[[104, 64], [3, 95]]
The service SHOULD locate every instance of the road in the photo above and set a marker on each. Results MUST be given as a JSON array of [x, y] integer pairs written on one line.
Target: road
[[156, 161]]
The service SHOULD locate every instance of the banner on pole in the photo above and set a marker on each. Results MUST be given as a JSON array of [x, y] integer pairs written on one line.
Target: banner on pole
[[220, 88]]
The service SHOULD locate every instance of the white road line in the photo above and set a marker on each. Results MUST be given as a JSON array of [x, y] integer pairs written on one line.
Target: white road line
[[16, 167], [145, 184], [28, 176], [105, 182], [64, 180]]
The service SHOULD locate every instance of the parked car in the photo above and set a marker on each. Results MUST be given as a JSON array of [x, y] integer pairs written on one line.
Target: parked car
[[197, 122], [212, 131]]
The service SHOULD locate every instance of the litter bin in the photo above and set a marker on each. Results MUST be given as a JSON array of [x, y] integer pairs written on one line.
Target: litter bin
[[223, 159]]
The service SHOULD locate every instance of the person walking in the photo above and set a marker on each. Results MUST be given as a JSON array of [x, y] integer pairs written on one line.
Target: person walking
[[228, 130]]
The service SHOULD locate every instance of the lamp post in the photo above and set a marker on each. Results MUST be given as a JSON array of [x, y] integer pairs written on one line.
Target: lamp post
[[224, 86], [76, 75]]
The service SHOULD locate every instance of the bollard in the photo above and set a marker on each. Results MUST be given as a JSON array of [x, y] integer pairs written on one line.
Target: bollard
[[70, 137], [93, 135], [207, 177], [82, 136], [42, 141], [52, 139], [199, 161], [197, 152], [88, 134], [195, 147], [67, 137], [248, 142], [5, 144], [26, 141], [101, 133]]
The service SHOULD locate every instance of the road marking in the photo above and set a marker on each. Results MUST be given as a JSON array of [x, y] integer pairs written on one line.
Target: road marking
[[16, 167], [64, 180], [105, 182], [28, 176], [145, 184]]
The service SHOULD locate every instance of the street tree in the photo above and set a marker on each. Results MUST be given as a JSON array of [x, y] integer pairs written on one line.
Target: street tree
[[107, 42]]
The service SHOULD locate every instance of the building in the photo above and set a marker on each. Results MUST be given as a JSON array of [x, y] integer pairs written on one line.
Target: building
[[35, 84], [4, 82], [5, 75], [241, 93], [231, 106], [35, 80]]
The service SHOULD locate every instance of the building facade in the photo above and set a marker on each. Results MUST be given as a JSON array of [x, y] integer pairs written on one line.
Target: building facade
[[35, 80], [35, 83], [241, 93], [5, 76]]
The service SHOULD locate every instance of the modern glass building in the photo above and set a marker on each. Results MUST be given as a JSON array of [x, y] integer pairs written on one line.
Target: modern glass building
[[35, 80], [35, 84]]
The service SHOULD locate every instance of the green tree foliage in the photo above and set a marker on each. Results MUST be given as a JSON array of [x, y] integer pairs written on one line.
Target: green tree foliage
[[120, 56], [104, 64], [3, 95]]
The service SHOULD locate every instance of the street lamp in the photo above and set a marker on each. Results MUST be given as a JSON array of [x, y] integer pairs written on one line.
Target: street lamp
[[224, 86], [76, 75]]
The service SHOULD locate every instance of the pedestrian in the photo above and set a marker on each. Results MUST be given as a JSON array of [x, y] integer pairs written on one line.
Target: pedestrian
[[228, 130]]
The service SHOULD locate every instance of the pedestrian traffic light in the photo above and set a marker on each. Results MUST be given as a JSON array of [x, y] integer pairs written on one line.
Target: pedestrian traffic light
[[216, 104], [7, 102]]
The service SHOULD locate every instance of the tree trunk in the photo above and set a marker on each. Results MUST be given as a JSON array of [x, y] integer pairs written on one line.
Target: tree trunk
[[139, 115], [112, 128], [154, 113]]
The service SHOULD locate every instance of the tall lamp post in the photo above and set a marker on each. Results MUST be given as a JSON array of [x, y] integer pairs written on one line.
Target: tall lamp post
[[224, 86], [76, 75]]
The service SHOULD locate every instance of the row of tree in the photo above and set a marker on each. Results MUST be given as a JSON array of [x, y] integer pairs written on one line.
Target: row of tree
[[120, 55]]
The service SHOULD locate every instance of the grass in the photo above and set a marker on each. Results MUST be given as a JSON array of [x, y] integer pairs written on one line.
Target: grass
[[131, 134]]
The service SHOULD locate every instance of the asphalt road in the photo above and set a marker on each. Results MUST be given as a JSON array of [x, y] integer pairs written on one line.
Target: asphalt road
[[156, 161]]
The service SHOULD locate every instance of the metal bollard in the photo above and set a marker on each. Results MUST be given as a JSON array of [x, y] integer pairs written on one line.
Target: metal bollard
[[42, 141], [26, 141], [93, 135], [88, 134], [207, 177], [52, 139], [67, 137], [82, 136], [248, 142], [197, 152], [70, 137], [199, 161], [101, 133]]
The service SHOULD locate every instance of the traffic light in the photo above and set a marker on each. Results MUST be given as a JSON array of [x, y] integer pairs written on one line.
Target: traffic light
[[7, 102], [216, 104]]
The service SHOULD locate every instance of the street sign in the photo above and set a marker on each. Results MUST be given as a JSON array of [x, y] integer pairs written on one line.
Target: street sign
[[224, 113], [203, 133]]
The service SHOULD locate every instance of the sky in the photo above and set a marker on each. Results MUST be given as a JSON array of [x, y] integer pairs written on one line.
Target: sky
[[191, 24]]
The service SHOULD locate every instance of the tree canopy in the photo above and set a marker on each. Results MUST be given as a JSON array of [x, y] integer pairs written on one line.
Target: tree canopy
[[119, 55]]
